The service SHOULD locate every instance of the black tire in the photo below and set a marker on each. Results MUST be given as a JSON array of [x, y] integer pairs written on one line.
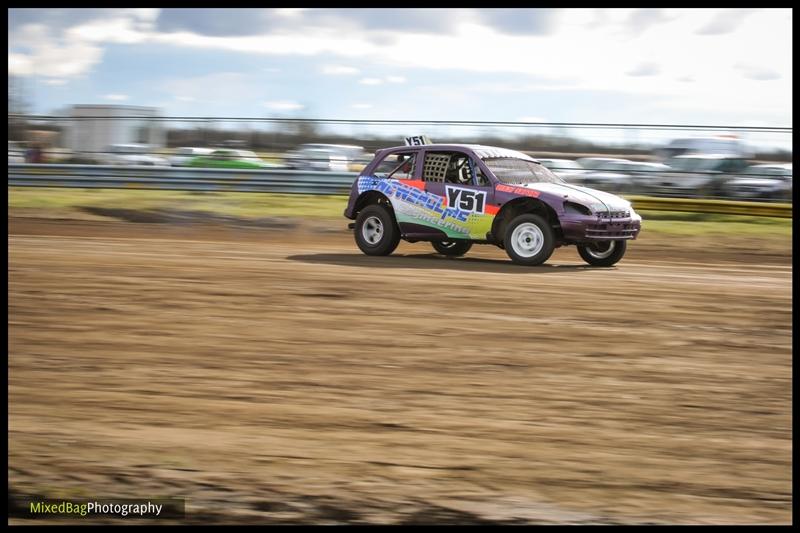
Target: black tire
[[452, 248], [381, 236], [597, 254], [540, 242]]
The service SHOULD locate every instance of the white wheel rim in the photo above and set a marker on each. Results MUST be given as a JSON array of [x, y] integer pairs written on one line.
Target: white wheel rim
[[447, 244], [593, 250], [372, 230], [527, 239]]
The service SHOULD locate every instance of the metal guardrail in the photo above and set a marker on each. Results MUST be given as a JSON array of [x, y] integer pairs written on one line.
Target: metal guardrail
[[297, 182], [179, 179], [726, 207]]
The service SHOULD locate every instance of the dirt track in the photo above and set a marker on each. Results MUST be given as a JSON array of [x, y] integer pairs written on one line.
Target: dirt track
[[270, 377]]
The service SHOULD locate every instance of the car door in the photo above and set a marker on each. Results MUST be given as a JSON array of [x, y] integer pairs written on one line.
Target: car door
[[467, 195], [397, 176]]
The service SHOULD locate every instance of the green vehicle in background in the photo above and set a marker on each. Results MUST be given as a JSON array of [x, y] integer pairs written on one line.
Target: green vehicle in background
[[228, 158]]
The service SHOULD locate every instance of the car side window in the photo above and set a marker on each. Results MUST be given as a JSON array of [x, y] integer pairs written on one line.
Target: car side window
[[449, 167], [481, 179], [453, 167], [435, 167], [399, 166]]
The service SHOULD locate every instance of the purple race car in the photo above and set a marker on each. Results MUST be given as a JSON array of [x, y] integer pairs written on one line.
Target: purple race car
[[455, 195]]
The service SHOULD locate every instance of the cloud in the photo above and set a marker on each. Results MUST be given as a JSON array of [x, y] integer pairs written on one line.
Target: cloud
[[381, 81], [43, 55], [217, 87], [20, 65], [218, 22], [640, 20], [290, 12], [122, 30], [66, 43], [533, 21], [60, 19], [116, 97], [284, 105], [362, 106], [758, 73], [584, 50], [427, 20], [725, 22], [224, 22], [645, 69], [339, 70]]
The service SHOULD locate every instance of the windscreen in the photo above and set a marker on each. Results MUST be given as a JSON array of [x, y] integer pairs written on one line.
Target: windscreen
[[512, 170]]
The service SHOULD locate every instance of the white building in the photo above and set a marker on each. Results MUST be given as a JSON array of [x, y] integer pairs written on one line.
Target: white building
[[115, 124]]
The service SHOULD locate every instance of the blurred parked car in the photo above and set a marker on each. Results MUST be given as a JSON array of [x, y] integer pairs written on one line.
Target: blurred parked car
[[327, 157], [16, 152], [762, 182], [622, 175], [700, 175], [185, 154], [225, 158], [645, 173], [609, 174], [566, 169], [57, 155], [597, 163], [727, 145], [131, 154]]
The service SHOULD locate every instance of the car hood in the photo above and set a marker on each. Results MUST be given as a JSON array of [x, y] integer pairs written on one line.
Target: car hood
[[592, 198]]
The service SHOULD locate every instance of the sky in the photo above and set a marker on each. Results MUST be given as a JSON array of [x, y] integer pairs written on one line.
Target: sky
[[730, 67]]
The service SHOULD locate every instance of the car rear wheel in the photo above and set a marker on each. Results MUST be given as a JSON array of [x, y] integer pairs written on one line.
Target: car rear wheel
[[375, 231], [452, 248], [529, 240], [605, 253]]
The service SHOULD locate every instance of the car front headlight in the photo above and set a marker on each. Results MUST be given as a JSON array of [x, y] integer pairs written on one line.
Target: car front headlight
[[574, 208]]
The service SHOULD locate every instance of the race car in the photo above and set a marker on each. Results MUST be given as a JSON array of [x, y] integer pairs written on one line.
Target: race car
[[457, 195]]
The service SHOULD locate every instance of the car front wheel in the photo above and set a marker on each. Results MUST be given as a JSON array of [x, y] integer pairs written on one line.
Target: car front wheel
[[375, 231], [605, 254], [452, 248], [529, 240]]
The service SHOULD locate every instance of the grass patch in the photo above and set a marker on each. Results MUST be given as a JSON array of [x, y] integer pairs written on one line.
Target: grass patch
[[681, 223], [239, 204], [255, 205]]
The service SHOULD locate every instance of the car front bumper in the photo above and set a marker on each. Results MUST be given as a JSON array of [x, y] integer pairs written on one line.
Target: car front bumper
[[582, 229]]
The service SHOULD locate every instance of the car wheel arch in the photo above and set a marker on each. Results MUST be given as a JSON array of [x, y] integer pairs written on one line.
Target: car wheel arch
[[519, 206], [373, 197]]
